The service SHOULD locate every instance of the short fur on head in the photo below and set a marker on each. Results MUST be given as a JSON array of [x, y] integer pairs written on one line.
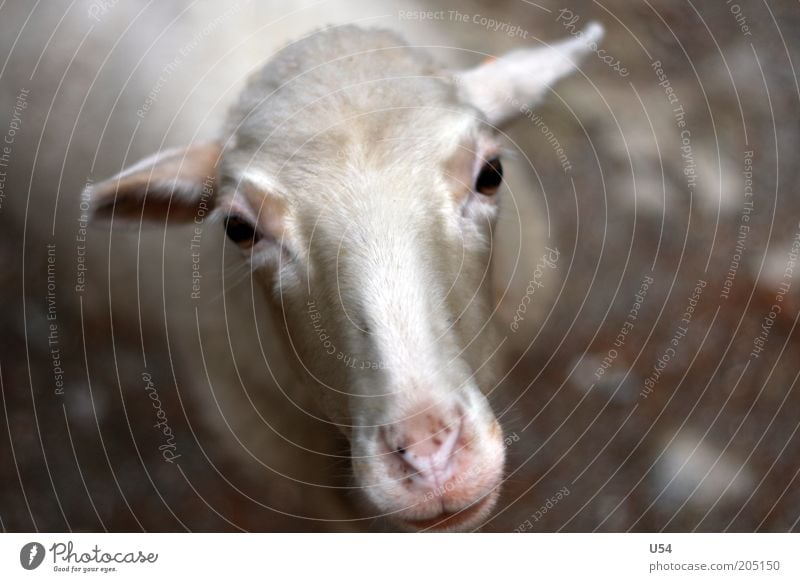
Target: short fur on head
[[353, 174]]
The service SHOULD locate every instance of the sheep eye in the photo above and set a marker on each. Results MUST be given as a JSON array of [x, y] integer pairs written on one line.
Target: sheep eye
[[490, 177], [240, 231]]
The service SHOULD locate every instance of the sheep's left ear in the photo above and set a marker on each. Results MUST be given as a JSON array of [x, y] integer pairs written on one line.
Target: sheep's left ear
[[502, 88], [172, 183]]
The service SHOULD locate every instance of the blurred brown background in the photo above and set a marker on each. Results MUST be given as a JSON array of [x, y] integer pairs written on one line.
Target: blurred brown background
[[711, 445]]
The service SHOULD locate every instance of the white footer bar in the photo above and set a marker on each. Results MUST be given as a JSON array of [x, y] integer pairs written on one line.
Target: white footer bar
[[388, 557]]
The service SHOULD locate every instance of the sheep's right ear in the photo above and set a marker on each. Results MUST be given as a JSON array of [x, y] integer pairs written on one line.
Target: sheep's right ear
[[173, 183]]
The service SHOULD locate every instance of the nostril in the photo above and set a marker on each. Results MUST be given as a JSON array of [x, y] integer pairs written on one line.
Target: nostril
[[426, 449]]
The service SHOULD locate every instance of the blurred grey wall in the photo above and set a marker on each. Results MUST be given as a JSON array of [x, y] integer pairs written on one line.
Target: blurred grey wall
[[662, 131]]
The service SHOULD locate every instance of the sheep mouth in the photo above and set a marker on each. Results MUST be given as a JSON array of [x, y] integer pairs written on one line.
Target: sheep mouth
[[456, 520]]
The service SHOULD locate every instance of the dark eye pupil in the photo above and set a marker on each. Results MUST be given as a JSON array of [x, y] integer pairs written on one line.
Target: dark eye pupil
[[240, 232], [490, 178]]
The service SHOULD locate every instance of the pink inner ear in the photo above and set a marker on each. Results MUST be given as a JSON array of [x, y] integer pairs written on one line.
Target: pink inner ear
[[174, 183], [193, 165], [132, 200]]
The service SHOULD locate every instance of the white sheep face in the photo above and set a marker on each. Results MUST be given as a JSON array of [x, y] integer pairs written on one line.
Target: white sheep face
[[361, 183]]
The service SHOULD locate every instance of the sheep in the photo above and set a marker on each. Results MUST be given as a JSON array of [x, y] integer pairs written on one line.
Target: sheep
[[360, 182]]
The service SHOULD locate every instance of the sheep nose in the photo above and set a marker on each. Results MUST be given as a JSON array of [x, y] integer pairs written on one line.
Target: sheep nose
[[425, 445]]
